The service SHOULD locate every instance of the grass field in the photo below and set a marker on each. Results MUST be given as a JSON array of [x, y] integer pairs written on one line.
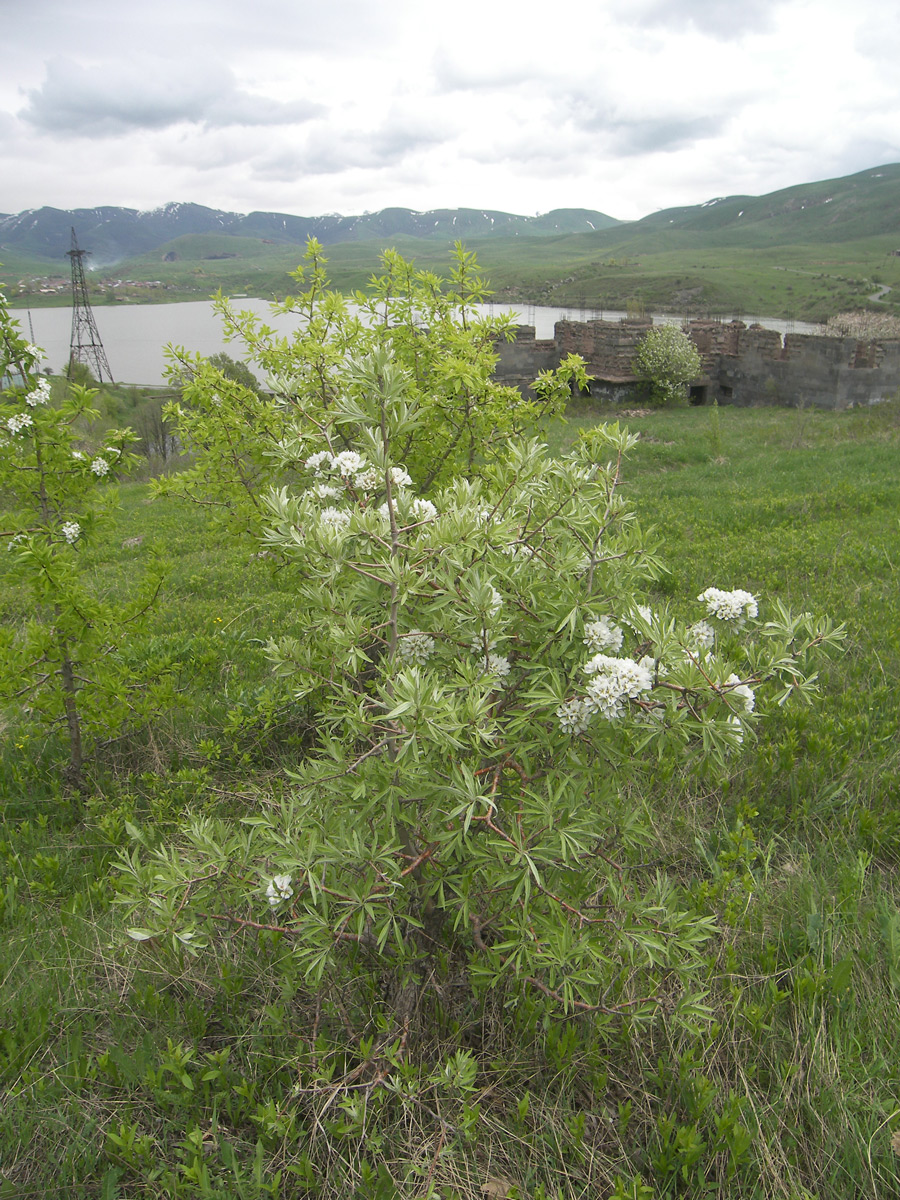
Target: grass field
[[665, 272], [120, 1077]]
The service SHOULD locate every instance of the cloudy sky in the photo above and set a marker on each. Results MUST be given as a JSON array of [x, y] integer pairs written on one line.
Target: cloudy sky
[[305, 107]]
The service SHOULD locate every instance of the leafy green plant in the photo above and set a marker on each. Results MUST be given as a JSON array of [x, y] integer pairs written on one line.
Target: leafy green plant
[[460, 814], [64, 662], [668, 359], [235, 432]]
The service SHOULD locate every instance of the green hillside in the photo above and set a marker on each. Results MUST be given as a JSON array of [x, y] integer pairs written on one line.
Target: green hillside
[[804, 252]]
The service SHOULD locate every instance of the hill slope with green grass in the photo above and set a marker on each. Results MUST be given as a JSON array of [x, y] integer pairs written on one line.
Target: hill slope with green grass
[[804, 252]]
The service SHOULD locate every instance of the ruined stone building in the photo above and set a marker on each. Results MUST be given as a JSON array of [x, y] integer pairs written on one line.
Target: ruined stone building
[[742, 365]]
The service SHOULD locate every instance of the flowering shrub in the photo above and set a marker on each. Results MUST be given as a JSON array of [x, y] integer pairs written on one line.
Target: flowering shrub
[[488, 674], [668, 359], [60, 666]]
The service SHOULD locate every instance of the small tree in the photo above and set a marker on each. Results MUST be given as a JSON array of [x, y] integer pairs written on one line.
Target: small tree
[[434, 333], [668, 359], [488, 678], [62, 663]]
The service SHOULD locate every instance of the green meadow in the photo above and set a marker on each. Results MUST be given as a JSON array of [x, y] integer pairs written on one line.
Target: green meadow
[[123, 1075]]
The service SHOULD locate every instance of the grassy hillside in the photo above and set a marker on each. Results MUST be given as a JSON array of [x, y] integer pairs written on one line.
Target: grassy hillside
[[806, 252], [125, 1074]]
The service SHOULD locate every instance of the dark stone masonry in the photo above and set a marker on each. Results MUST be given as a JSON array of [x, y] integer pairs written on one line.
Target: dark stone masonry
[[741, 365]]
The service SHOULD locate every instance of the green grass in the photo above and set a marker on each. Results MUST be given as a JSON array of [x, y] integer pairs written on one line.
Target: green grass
[[794, 1089]]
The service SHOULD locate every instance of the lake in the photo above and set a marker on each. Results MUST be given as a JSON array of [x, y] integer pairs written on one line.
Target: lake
[[135, 336]]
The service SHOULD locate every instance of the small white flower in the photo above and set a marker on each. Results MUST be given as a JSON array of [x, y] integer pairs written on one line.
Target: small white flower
[[366, 480], [701, 636], [496, 602], [19, 421], [423, 510], [746, 693], [70, 531], [77, 454], [315, 462], [40, 395], [334, 518], [601, 635], [616, 679], [15, 539], [574, 716], [279, 889], [736, 725], [324, 491], [400, 477], [497, 664], [348, 462], [415, 647], [734, 606], [100, 467]]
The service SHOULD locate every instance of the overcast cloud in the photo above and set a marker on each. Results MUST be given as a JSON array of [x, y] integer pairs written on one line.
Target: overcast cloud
[[624, 106]]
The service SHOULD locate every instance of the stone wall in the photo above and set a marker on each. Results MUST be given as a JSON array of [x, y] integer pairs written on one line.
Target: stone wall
[[741, 365]]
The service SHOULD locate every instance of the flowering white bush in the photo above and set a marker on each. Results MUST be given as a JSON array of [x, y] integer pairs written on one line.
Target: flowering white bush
[[668, 359], [463, 802]]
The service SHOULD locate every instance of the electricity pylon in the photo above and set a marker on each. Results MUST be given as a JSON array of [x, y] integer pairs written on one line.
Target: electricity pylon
[[85, 346]]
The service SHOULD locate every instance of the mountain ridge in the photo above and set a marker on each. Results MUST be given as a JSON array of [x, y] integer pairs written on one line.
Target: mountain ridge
[[113, 233]]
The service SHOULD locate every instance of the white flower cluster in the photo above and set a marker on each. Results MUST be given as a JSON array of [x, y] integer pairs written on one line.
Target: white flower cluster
[[574, 715], [279, 889], [734, 606], [40, 395], [70, 531], [100, 467], [419, 510], [334, 519], [19, 421], [614, 681], [497, 665], [701, 636], [601, 635], [733, 683], [353, 470], [415, 647]]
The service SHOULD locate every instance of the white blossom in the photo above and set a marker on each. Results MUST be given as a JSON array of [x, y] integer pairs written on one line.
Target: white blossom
[[734, 606], [334, 518], [324, 491], [70, 531], [574, 715], [415, 647], [400, 477], [601, 635], [497, 664], [40, 395], [423, 510], [746, 693], [701, 636], [615, 680], [315, 462], [279, 889], [348, 462], [100, 467], [367, 480], [19, 421]]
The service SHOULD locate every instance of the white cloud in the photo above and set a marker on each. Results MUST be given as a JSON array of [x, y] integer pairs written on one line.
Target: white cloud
[[620, 105]]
